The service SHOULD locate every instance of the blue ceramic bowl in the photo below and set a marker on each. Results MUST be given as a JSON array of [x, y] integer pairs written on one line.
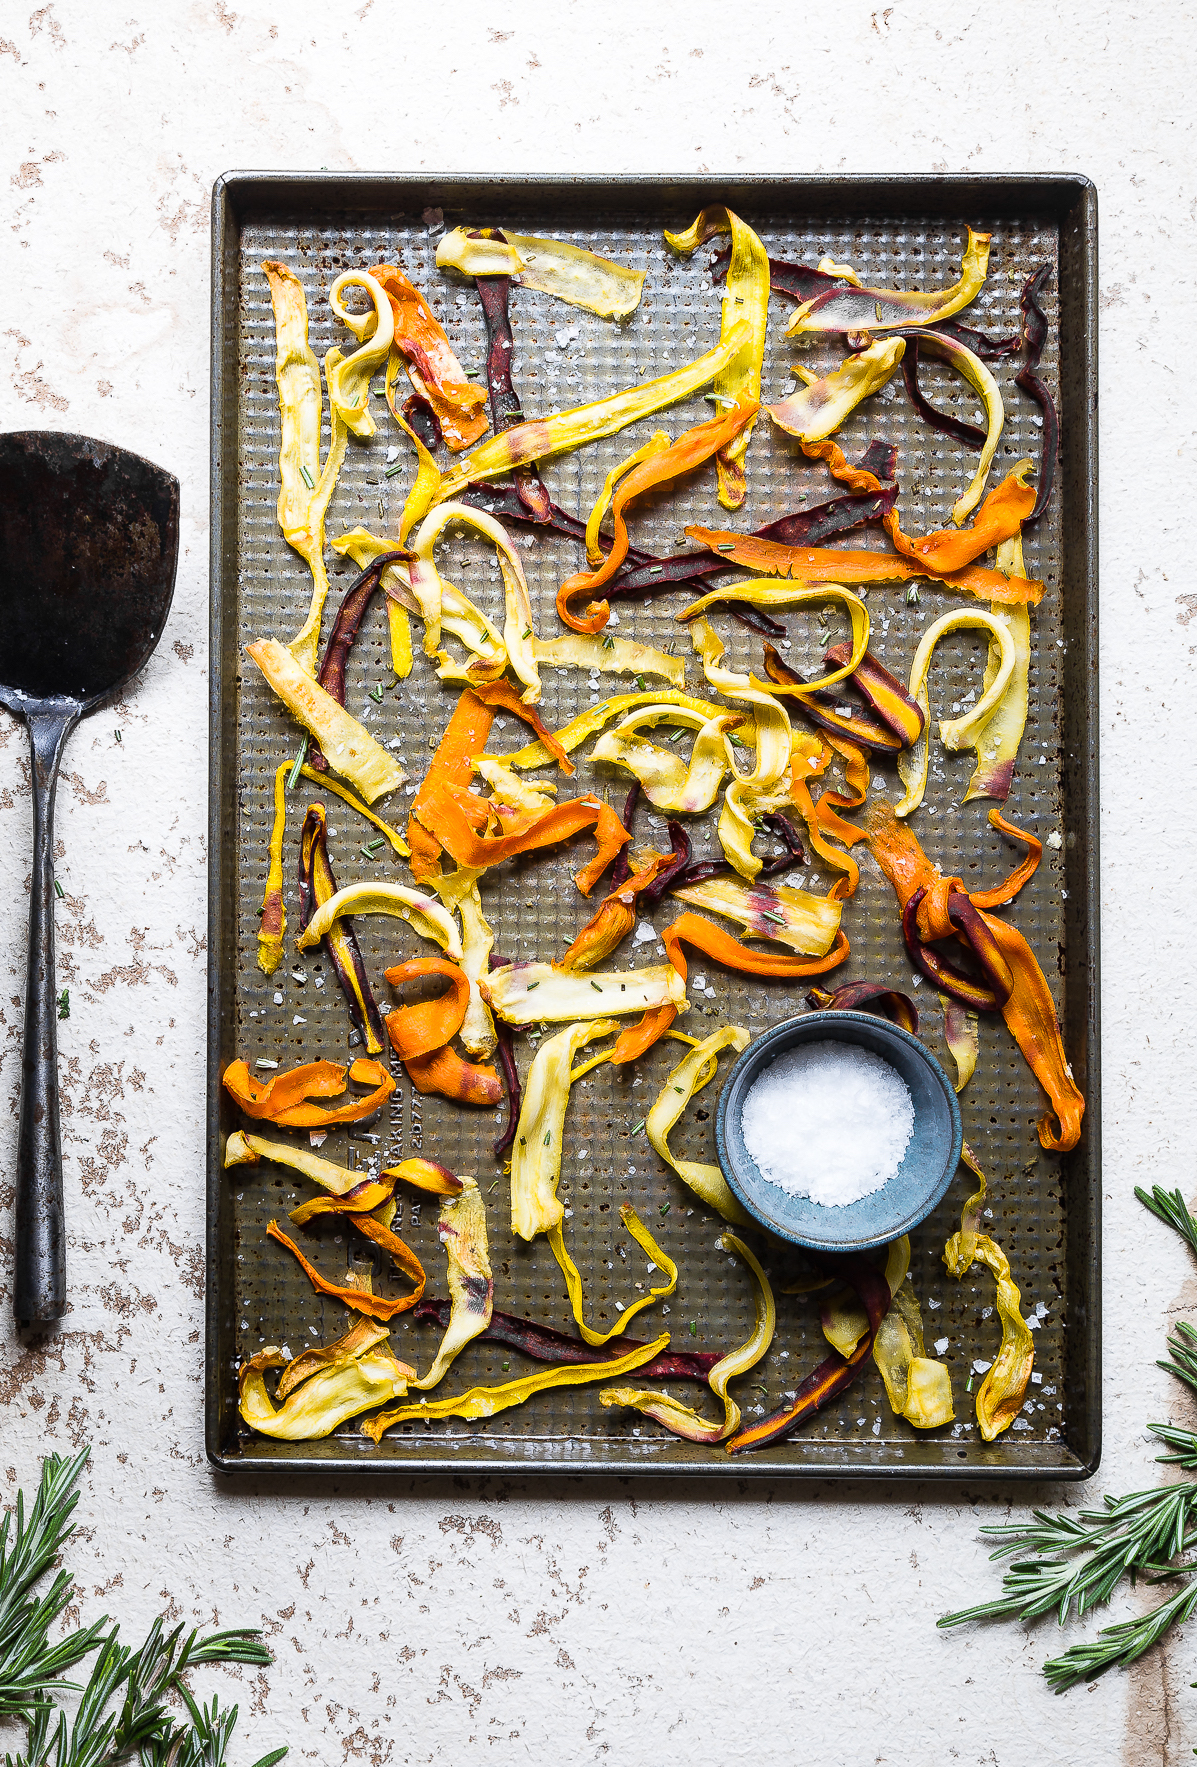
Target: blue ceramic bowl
[[928, 1164]]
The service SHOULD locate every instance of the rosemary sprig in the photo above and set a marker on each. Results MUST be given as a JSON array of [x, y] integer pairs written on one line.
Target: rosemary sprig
[[103, 1732], [1169, 1205], [1074, 1562], [1119, 1645], [28, 1547], [1130, 1533], [1182, 1349]]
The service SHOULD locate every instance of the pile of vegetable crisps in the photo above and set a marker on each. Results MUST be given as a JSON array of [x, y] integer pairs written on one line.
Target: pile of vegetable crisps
[[716, 816]]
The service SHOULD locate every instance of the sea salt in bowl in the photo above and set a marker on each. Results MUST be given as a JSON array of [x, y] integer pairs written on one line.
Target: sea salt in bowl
[[923, 1174]]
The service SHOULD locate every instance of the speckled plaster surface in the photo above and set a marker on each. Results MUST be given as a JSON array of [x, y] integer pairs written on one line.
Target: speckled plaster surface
[[560, 1620]]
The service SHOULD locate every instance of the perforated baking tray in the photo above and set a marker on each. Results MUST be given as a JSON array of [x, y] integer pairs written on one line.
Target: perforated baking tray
[[896, 232]]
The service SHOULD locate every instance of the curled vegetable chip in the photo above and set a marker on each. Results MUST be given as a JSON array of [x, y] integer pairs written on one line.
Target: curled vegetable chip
[[836, 567], [462, 1230], [539, 1137], [446, 611], [427, 587], [348, 746], [274, 915], [670, 782], [868, 997], [918, 1389], [282, 1098], [869, 309], [804, 922], [683, 1420], [999, 519], [658, 443], [246, 1150], [551, 265], [541, 438], [349, 379], [760, 792], [489, 1401], [843, 1316], [429, 1024], [1001, 1394], [426, 1175], [820, 406], [746, 298], [325, 1399], [573, 1280], [397, 842], [458, 890], [587, 723], [832, 1375], [427, 917], [997, 742], [690, 1075], [527, 993], [443, 1071], [1028, 1007], [646, 474], [304, 488], [364, 1334], [955, 733], [615, 918], [957, 355], [610, 656], [962, 1035], [432, 367], [317, 885], [361, 1299], [720, 947]]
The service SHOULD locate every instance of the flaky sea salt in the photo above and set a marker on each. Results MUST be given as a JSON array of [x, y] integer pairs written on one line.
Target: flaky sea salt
[[829, 1121]]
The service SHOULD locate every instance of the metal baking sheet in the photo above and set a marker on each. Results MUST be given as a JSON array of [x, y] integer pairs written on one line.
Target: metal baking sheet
[[1045, 1210]]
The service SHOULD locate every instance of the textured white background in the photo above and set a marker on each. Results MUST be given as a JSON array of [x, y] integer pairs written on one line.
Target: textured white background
[[564, 1621]]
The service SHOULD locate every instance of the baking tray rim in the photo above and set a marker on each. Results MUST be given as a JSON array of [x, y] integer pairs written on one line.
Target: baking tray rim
[[1068, 196]]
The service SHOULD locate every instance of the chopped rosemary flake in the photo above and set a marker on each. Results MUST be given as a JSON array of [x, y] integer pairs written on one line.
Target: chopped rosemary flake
[[768, 914], [726, 546], [608, 643], [655, 570], [392, 470], [371, 847], [596, 987], [640, 682], [64, 1005], [912, 596], [665, 1208], [376, 693], [58, 889], [532, 985], [528, 632], [118, 736], [548, 1136], [307, 478], [693, 1329], [300, 758], [638, 1127]]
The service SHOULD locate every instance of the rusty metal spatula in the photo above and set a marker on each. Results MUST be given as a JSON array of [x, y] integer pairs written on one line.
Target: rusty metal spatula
[[89, 540]]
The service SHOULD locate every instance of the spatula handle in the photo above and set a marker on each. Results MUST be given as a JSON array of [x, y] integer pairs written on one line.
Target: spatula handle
[[39, 1295]]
